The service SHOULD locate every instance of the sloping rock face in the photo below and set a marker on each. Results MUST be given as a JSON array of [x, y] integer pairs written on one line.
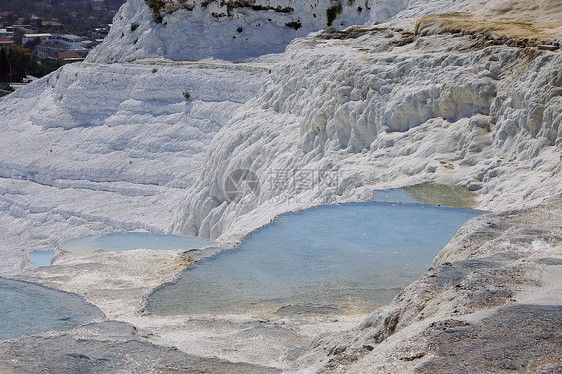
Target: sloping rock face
[[107, 347], [491, 302], [384, 108], [98, 148], [227, 30]]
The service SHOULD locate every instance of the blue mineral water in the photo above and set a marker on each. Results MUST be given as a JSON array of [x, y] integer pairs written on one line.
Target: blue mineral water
[[354, 256], [28, 309], [39, 258]]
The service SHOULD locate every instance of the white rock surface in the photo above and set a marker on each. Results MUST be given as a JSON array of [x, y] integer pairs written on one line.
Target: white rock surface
[[99, 148], [384, 115], [495, 265], [102, 147], [213, 29], [196, 29]]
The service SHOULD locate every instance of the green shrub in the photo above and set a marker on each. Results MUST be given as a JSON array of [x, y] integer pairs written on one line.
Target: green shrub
[[134, 26], [332, 12], [156, 6], [6, 87]]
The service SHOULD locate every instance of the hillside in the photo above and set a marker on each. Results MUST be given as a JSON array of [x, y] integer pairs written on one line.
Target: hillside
[[393, 108], [185, 96], [228, 30], [105, 148]]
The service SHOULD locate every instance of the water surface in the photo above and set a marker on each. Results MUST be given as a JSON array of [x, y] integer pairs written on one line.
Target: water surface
[[351, 255], [39, 258], [28, 309]]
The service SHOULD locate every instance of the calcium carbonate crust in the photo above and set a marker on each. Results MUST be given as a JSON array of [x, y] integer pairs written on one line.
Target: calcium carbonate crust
[[228, 30], [387, 109], [98, 148]]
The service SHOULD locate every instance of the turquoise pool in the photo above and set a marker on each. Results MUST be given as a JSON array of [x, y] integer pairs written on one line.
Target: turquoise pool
[[353, 256], [28, 309]]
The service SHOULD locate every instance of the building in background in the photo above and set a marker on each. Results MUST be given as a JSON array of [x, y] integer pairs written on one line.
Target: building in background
[[5, 44], [6, 34], [67, 57], [30, 37], [49, 47]]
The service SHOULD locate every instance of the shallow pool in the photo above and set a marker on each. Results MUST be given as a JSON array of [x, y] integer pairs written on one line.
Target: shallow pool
[[353, 256], [27, 309], [123, 241], [39, 259]]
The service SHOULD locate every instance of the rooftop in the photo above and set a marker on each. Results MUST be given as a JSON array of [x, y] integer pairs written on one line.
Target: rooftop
[[67, 56], [37, 35]]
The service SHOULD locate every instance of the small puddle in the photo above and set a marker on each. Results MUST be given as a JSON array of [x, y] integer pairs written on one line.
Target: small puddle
[[28, 309], [39, 259], [122, 241], [348, 257]]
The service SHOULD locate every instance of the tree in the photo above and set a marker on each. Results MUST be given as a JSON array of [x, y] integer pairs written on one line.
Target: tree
[[4, 65], [18, 36], [32, 43], [21, 61], [11, 18], [44, 67], [26, 19]]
